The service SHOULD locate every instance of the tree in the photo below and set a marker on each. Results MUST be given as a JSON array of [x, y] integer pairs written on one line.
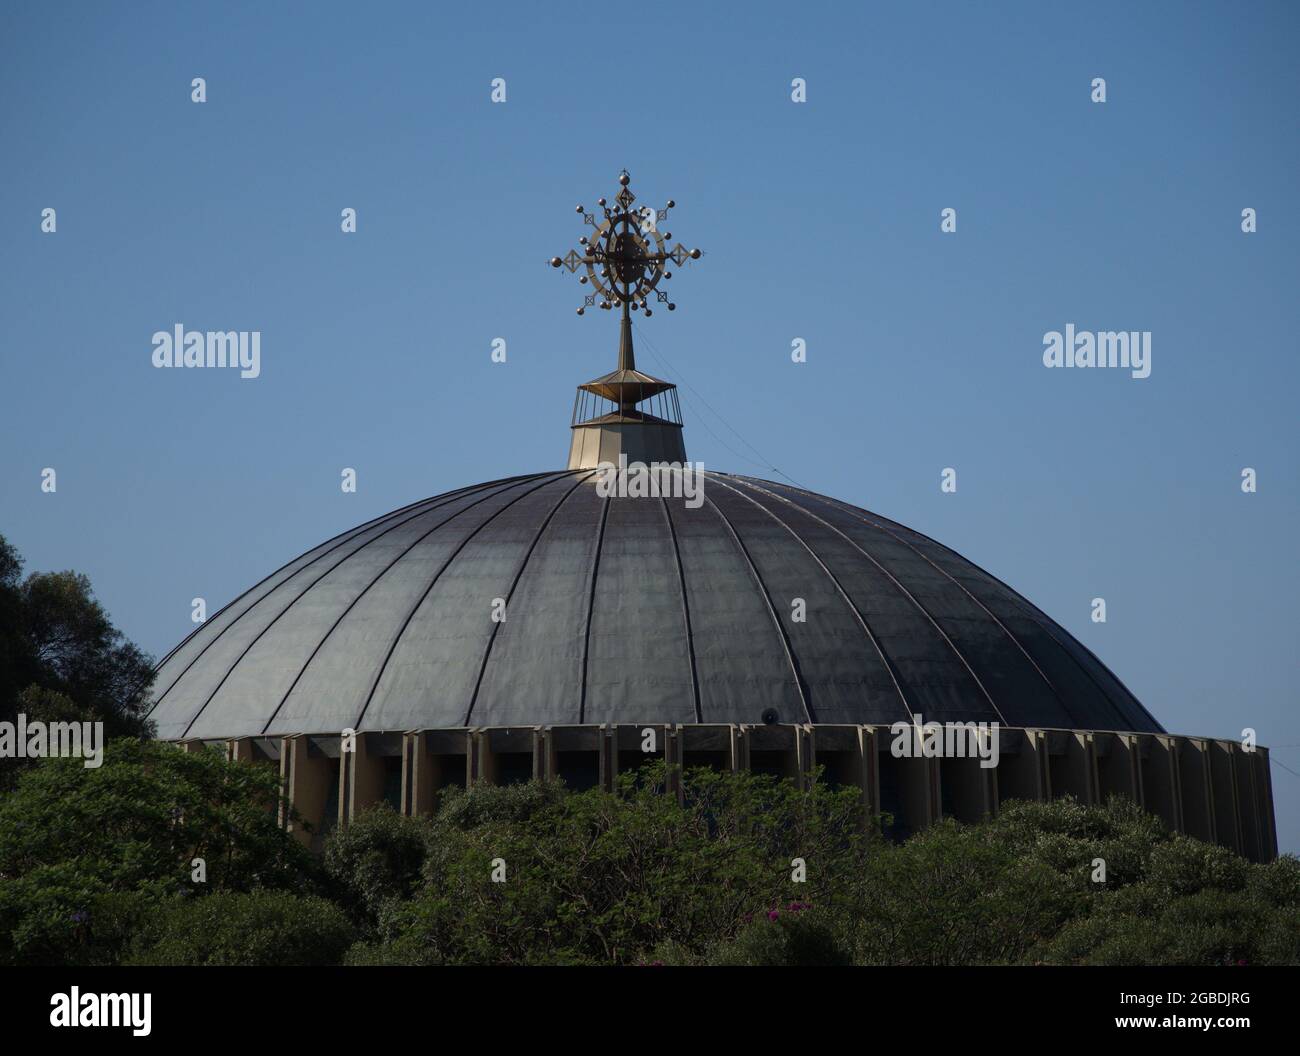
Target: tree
[[86, 852], [82, 655], [236, 928], [533, 873], [61, 658], [18, 663]]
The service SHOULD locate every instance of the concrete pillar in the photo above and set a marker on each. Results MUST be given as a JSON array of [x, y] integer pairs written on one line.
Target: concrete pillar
[[1119, 766], [627, 746], [1252, 836], [306, 773], [774, 749], [908, 786], [608, 757], [803, 754], [1161, 781], [497, 754], [967, 790], [920, 792], [1268, 822], [1255, 795], [417, 775], [432, 760], [548, 756], [363, 771], [742, 748], [847, 755], [673, 757], [870, 764], [1228, 828], [256, 751], [1073, 765], [705, 744], [1023, 766], [1197, 790], [838, 751], [541, 747], [590, 744]]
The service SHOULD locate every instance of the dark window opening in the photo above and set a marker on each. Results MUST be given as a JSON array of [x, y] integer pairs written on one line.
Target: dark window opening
[[1056, 769], [393, 781], [635, 760], [839, 769], [774, 764], [718, 760], [514, 768], [451, 772], [956, 782], [632, 762], [891, 798], [579, 770], [330, 816]]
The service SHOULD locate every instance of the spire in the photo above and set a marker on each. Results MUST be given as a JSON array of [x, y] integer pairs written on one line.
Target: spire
[[626, 359], [624, 261]]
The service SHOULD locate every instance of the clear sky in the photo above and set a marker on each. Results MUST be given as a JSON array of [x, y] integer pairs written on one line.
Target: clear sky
[[819, 220]]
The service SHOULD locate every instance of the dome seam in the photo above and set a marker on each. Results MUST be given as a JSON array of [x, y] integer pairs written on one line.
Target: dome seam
[[293, 601], [862, 621], [1045, 622], [410, 616], [514, 583], [591, 605], [785, 639], [920, 608]]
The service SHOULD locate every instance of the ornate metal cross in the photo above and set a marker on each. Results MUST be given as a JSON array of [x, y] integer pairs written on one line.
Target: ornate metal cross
[[626, 257]]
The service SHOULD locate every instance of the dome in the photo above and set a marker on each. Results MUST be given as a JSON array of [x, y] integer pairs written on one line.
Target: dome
[[546, 627], [762, 603]]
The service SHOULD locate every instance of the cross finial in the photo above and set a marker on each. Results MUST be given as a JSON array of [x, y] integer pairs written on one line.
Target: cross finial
[[626, 256]]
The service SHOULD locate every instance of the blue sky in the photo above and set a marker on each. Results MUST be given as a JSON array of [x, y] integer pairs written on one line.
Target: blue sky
[[819, 220]]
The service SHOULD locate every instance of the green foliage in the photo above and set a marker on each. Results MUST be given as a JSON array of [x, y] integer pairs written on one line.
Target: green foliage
[[375, 860], [1196, 904], [48, 705], [953, 895], [19, 665], [233, 928], [95, 868], [1207, 928], [61, 658], [1277, 883], [1184, 866], [71, 834], [793, 937], [635, 878], [1066, 836], [82, 655], [599, 878]]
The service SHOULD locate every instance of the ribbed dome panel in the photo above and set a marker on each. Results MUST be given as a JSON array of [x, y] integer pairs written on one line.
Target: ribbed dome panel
[[629, 610]]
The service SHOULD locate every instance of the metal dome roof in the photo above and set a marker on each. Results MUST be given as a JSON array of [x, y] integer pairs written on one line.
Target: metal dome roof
[[635, 610]]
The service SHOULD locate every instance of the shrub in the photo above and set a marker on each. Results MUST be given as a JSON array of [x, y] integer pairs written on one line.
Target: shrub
[[1066, 836], [1185, 866], [233, 928], [94, 869], [792, 937], [1278, 882], [953, 895], [376, 859], [71, 834], [600, 878]]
